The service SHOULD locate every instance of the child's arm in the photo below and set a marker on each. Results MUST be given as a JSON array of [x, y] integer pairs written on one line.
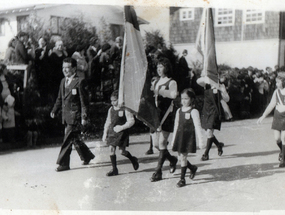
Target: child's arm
[[176, 123], [171, 93], [198, 128], [269, 108], [106, 126], [129, 123]]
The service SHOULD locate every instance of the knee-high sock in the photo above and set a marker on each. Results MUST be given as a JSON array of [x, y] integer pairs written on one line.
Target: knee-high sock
[[183, 172], [214, 139], [209, 145], [161, 159], [132, 158], [114, 161], [172, 159], [283, 153], [190, 166]]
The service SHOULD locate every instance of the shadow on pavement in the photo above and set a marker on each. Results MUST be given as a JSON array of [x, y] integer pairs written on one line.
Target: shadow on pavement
[[254, 154], [246, 172]]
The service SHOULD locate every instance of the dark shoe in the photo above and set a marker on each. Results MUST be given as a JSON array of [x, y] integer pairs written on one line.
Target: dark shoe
[[113, 172], [220, 149], [282, 164], [62, 168], [86, 162], [173, 166], [193, 172], [181, 183], [205, 157], [280, 156], [135, 163], [157, 176], [149, 152]]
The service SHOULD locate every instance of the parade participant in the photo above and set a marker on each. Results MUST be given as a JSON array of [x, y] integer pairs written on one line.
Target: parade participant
[[72, 99], [211, 115], [278, 124], [165, 91], [187, 125], [118, 121]]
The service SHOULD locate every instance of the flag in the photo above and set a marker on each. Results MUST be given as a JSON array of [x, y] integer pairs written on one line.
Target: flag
[[205, 44], [135, 79]]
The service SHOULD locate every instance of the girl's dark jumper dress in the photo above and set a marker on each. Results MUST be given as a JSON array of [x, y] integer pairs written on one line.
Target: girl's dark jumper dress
[[211, 113], [185, 138], [121, 139], [162, 106], [279, 118]]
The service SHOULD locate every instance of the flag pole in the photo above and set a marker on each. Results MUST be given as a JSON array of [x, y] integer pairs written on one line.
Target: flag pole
[[122, 71], [206, 42]]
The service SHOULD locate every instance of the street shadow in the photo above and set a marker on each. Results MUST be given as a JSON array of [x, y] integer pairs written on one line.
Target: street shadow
[[242, 172], [139, 143], [254, 154]]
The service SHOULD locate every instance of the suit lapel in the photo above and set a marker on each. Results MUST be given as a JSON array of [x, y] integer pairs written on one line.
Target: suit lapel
[[71, 86]]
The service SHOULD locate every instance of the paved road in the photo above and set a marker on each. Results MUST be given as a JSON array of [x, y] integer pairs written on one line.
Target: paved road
[[245, 179]]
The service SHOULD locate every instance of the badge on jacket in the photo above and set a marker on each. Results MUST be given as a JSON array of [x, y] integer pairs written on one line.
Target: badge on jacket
[[187, 115], [74, 92], [121, 113]]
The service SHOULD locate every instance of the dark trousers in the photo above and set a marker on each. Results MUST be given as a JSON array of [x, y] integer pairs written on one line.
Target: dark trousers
[[72, 136]]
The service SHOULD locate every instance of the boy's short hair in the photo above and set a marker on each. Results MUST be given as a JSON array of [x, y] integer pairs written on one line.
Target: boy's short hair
[[115, 94], [70, 60], [281, 77]]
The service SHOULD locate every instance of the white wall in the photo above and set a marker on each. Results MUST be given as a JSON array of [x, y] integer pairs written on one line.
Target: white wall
[[258, 54], [158, 18]]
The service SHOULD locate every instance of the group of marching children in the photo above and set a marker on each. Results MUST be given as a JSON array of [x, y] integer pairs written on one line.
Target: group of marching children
[[187, 124], [185, 127]]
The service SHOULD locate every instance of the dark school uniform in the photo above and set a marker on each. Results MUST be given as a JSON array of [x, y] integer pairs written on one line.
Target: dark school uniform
[[163, 104], [121, 139], [211, 112], [185, 138], [279, 118]]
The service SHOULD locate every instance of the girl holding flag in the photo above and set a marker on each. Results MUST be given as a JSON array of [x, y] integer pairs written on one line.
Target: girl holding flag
[[165, 90], [211, 114]]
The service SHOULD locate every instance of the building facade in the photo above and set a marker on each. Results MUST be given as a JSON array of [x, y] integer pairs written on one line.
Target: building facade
[[14, 20], [243, 37]]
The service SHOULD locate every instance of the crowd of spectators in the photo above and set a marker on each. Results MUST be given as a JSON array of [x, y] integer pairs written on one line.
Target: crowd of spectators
[[249, 89]]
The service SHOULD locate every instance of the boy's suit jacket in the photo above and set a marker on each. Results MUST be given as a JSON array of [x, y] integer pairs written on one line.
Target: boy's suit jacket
[[73, 101]]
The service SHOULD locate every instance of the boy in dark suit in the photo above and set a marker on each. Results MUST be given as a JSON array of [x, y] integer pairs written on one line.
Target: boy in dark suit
[[72, 99]]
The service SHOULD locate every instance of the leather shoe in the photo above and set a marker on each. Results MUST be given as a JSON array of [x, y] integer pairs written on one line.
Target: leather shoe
[[62, 168], [86, 162], [193, 172], [149, 152], [220, 149], [157, 176], [173, 166], [113, 172], [280, 156], [181, 183], [204, 157], [135, 163]]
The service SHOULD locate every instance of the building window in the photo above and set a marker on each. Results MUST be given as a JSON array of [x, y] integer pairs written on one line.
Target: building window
[[224, 17], [2, 27], [253, 16], [186, 14], [56, 23]]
